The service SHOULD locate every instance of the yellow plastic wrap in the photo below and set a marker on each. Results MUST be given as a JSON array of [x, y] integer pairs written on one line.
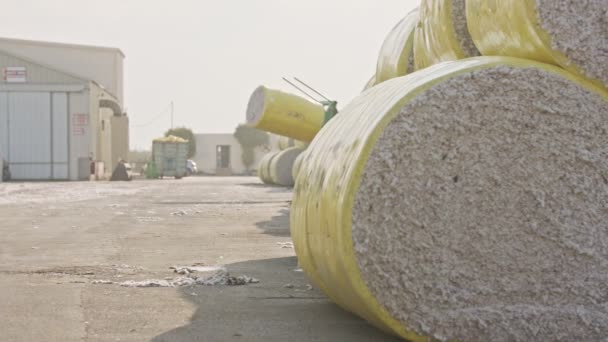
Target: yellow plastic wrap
[[264, 168], [297, 165], [281, 166], [436, 39], [512, 28], [331, 171], [396, 54], [285, 114], [286, 142], [372, 82]]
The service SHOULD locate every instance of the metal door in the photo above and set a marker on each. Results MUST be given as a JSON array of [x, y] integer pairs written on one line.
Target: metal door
[[29, 126], [34, 134]]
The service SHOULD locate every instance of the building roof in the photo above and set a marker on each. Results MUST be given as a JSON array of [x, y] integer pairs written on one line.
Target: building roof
[[63, 45]]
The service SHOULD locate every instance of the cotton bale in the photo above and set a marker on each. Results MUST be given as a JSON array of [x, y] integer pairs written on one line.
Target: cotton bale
[[572, 34], [396, 55], [442, 34], [263, 167], [284, 114], [464, 202], [281, 167], [298, 164], [286, 142]]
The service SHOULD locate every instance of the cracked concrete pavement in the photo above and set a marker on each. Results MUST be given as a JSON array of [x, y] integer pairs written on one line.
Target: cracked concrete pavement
[[62, 243]]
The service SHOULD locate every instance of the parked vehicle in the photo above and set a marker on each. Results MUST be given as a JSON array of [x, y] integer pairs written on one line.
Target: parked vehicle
[[191, 167]]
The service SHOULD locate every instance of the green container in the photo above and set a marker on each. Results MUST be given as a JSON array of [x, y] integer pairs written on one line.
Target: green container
[[170, 156]]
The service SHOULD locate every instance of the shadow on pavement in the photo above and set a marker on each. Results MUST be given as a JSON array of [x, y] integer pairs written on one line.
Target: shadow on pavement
[[278, 225], [271, 188], [268, 311]]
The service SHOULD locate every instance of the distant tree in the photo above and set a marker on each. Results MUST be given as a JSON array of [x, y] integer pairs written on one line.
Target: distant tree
[[185, 133], [249, 138]]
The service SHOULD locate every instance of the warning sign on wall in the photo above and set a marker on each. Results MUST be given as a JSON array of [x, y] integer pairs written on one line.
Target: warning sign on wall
[[15, 74], [79, 124]]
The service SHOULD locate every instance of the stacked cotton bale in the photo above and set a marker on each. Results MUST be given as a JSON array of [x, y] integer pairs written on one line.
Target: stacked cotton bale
[[464, 202], [284, 143], [263, 168], [571, 34], [372, 82], [285, 114], [396, 55], [442, 33], [281, 167]]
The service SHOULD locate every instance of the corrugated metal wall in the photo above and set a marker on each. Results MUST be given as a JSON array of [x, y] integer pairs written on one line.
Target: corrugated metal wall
[[29, 127], [4, 124], [34, 130], [60, 136]]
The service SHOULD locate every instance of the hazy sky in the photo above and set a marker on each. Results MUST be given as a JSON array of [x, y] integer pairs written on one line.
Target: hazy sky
[[208, 56]]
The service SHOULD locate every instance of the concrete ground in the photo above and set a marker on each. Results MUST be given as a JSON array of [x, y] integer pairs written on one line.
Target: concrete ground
[[65, 249]]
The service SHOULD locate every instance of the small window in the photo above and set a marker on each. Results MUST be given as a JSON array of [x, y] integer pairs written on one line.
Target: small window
[[103, 125]]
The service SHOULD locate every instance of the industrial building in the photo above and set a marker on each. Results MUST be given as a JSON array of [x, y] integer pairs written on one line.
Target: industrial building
[[61, 108], [220, 154]]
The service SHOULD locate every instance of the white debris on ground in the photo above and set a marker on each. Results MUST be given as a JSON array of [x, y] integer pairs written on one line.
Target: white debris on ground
[[148, 219], [188, 278], [286, 244], [102, 282], [185, 270], [224, 278], [298, 288], [180, 213], [147, 283], [16, 193]]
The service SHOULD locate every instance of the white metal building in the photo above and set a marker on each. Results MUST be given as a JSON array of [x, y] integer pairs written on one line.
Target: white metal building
[[220, 154], [60, 108]]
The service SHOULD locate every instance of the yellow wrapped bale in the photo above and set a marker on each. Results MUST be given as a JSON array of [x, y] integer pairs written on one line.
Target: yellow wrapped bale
[[572, 34], [281, 166], [264, 168], [396, 55], [463, 202], [285, 114], [442, 33], [372, 82], [286, 142], [298, 164]]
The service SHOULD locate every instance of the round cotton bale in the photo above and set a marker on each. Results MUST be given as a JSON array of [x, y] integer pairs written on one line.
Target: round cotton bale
[[464, 202], [442, 33], [285, 143], [297, 164], [372, 82], [284, 114], [263, 168], [281, 167], [572, 34], [396, 55]]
